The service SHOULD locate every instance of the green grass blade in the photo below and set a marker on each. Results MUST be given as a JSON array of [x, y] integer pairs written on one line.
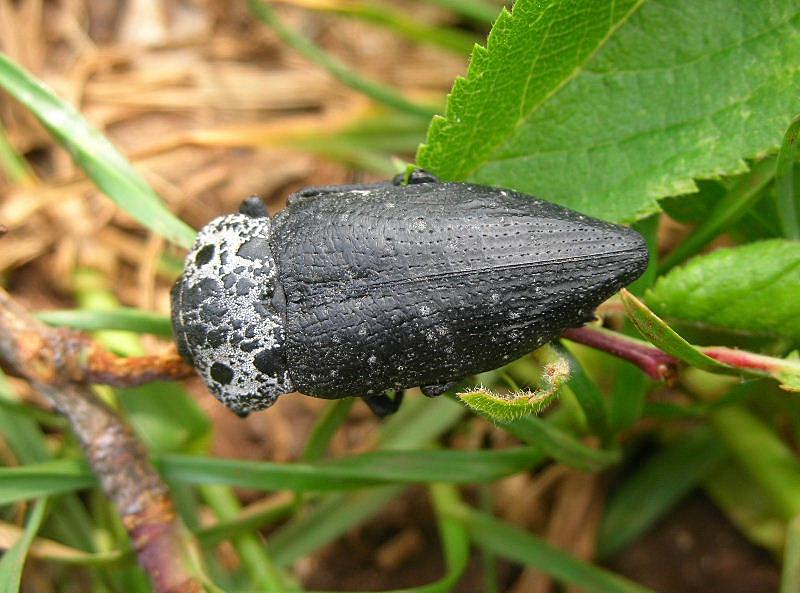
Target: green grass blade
[[455, 540], [589, 397], [43, 479], [126, 319], [788, 207], [518, 546], [334, 516], [249, 519], [742, 500], [475, 10], [379, 92], [627, 396], [329, 422], [554, 442], [13, 560], [93, 153], [651, 491], [384, 15], [358, 471], [731, 208]]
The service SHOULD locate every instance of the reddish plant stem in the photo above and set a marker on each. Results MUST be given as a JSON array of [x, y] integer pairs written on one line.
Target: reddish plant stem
[[655, 363], [663, 367], [50, 360]]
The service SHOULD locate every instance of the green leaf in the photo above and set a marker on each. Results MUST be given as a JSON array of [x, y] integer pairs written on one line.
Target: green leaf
[[508, 407], [93, 153], [606, 106], [516, 545], [663, 336], [655, 488], [751, 288], [13, 560], [712, 359]]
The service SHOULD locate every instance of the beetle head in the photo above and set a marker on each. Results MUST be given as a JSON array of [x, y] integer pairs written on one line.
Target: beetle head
[[227, 313]]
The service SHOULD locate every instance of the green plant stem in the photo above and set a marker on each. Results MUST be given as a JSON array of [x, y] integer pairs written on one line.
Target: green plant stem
[[789, 217], [730, 209], [379, 92]]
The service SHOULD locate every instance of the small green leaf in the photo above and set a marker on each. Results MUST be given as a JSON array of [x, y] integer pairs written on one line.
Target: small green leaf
[[508, 407], [663, 336], [606, 106], [752, 288], [93, 153], [710, 358], [13, 560]]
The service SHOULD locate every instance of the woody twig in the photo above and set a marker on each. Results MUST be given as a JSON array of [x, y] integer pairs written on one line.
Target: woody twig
[[60, 364]]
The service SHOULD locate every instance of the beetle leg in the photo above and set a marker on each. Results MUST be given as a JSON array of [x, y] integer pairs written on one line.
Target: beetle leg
[[436, 390], [382, 405]]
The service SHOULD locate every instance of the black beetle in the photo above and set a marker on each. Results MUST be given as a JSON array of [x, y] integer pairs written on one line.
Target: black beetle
[[364, 289]]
